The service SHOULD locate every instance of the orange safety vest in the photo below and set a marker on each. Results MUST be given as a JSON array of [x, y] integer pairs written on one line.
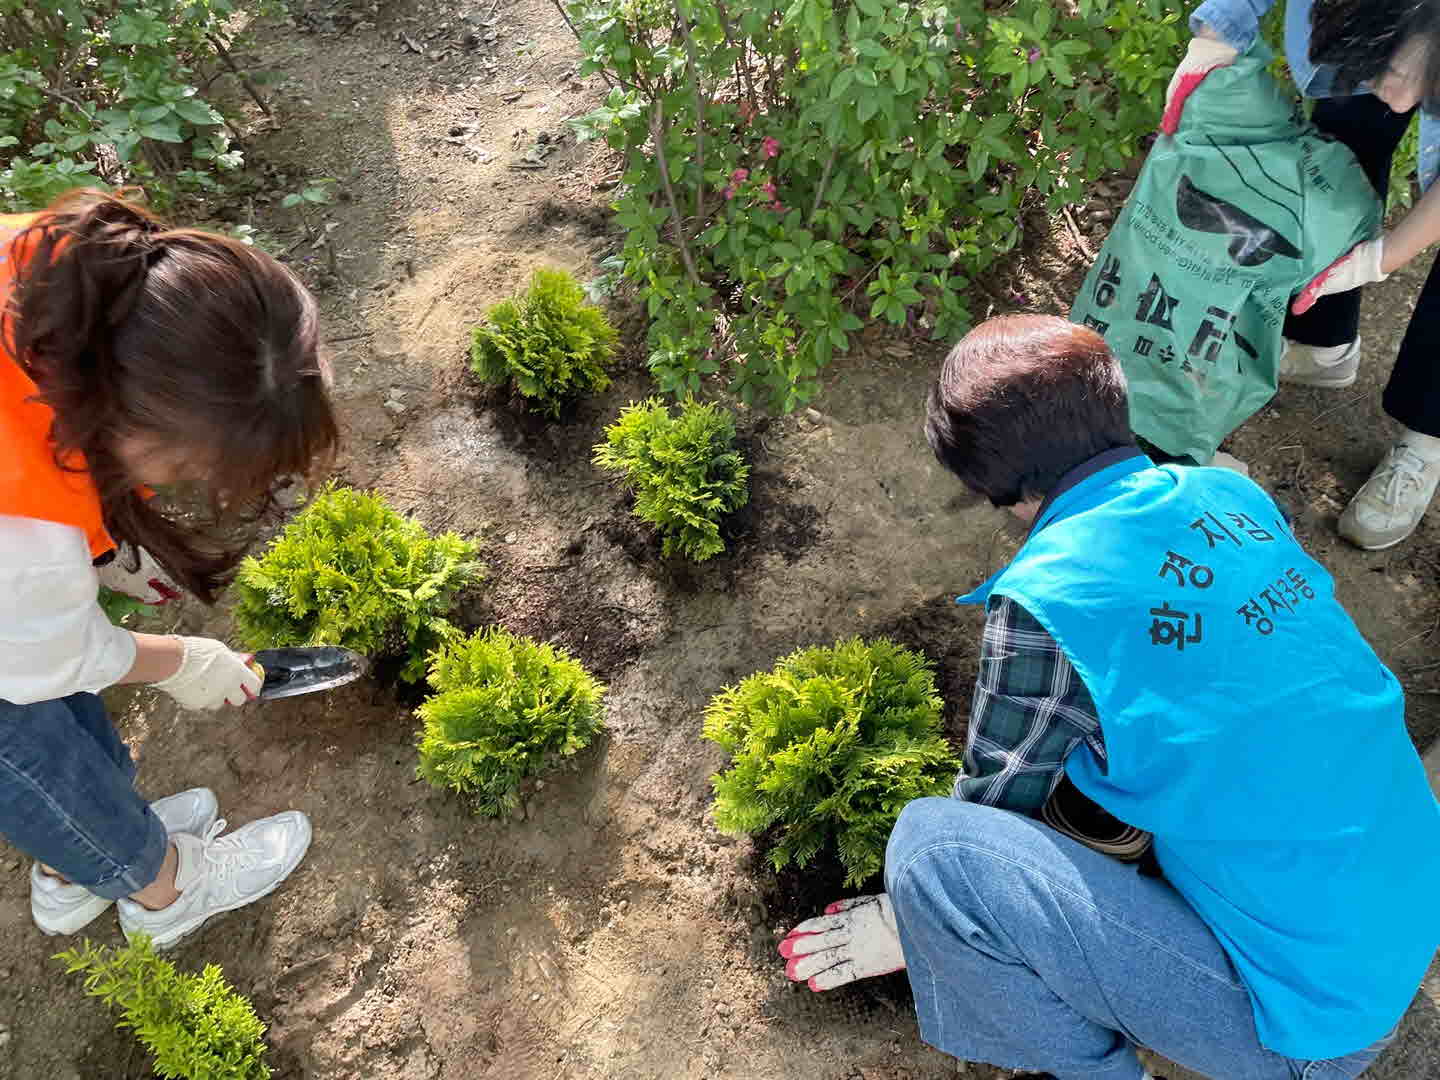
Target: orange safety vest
[[33, 485]]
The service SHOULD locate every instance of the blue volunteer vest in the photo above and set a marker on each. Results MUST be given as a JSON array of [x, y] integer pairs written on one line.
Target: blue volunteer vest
[[1250, 727]]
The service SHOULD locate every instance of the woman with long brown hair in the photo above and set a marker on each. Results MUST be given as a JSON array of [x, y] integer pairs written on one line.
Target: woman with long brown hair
[[135, 356]]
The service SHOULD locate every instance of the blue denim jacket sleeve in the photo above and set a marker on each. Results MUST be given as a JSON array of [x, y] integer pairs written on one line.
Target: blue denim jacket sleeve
[[1236, 21]]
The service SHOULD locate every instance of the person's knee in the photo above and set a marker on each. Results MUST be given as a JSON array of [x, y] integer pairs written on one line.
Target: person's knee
[[926, 825]]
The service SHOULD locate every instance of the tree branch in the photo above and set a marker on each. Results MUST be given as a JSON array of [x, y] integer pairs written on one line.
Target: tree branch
[[699, 116], [657, 135], [229, 61], [820, 188]]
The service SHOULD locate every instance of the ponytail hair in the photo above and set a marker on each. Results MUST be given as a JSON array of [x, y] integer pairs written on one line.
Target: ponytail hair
[[189, 340]]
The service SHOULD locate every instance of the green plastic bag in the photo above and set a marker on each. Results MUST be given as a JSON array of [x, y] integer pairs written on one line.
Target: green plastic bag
[[1230, 217]]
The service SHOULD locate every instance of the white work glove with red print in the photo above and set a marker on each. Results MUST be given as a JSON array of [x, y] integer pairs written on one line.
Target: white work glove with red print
[[211, 675], [147, 583], [854, 939], [1359, 266], [1204, 55]]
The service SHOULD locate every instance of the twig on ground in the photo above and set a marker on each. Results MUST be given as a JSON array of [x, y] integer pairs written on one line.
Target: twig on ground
[[1075, 233], [657, 135]]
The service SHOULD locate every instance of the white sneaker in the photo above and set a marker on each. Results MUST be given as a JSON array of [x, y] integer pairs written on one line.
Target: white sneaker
[[1390, 505], [59, 907], [220, 873], [1312, 365]]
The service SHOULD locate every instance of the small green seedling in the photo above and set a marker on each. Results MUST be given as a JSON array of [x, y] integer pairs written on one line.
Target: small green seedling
[[684, 470], [350, 571], [503, 707], [827, 749], [548, 343], [196, 1026]]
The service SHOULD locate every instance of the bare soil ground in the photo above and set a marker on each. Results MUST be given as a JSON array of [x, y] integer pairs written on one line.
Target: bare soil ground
[[611, 932]]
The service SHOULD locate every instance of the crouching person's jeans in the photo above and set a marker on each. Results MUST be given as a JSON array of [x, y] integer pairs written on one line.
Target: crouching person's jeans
[[67, 796], [1028, 950]]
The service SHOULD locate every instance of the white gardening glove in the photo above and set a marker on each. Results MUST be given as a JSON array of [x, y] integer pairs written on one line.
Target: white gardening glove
[[854, 939], [211, 675], [1204, 55], [148, 583], [1359, 266]]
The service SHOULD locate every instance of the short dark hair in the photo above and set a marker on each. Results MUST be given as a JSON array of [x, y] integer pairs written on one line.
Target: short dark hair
[[1022, 400], [1359, 38]]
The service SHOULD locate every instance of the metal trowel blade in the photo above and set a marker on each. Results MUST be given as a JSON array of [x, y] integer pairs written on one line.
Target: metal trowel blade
[[290, 672]]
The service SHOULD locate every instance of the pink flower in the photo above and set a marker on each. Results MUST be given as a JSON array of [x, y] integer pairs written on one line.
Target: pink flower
[[768, 188], [1034, 53], [739, 176], [777, 206], [770, 145], [729, 192]]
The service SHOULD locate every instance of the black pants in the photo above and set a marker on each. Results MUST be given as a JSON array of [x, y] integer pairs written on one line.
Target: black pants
[[1412, 396]]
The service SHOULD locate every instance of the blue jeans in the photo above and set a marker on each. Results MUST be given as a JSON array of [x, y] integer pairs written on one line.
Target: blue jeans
[[68, 798], [1028, 950]]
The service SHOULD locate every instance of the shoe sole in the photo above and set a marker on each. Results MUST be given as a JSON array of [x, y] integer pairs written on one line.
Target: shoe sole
[[1316, 383], [65, 927], [180, 935], [1380, 547]]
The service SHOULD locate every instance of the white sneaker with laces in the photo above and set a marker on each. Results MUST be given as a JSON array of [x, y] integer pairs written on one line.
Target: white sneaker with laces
[[220, 873], [59, 907], [1313, 365], [1390, 505]]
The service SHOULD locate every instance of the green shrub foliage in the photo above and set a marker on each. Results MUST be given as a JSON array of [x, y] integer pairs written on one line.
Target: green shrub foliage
[[104, 91], [350, 571], [684, 470], [503, 705], [795, 167], [549, 343], [827, 749], [196, 1026]]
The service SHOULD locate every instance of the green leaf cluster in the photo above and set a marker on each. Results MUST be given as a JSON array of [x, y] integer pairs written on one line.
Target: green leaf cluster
[[503, 705], [350, 571], [548, 342], [96, 92], [795, 167], [684, 470], [119, 608], [827, 749], [196, 1026]]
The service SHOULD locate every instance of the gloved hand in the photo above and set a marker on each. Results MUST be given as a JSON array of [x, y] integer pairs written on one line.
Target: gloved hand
[[1204, 55], [1359, 266], [211, 675], [854, 939], [148, 583]]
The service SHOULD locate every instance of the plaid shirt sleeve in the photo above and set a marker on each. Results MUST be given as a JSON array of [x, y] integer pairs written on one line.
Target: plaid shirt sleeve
[[1029, 711]]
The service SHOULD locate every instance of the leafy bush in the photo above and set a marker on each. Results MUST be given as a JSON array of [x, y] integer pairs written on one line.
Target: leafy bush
[[502, 706], [685, 471], [196, 1026], [350, 571], [827, 749], [548, 342], [790, 160], [104, 91]]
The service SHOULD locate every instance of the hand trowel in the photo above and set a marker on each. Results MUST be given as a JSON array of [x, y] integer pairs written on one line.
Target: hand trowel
[[293, 671]]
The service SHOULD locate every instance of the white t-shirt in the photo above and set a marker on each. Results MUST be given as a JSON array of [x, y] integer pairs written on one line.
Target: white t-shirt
[[54, 638]]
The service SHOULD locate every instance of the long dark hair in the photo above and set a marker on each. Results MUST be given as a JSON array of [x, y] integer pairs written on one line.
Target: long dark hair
[[1359, 38], [186, 338]]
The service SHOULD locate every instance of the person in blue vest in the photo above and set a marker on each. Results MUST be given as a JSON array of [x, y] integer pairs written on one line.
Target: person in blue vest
[[1371, 65], [1162, 645]]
